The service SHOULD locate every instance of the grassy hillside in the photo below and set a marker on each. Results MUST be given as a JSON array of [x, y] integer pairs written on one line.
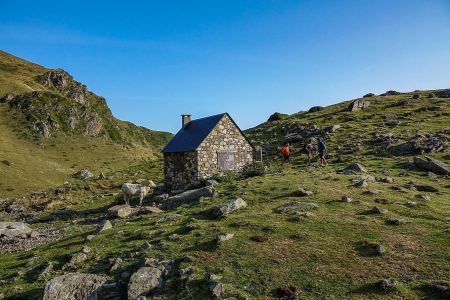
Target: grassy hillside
[[321, 253], [52, 126]]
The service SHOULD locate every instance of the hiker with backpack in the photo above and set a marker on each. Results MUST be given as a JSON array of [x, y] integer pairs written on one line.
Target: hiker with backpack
[[308, 150], [322, 149], [286, 152]]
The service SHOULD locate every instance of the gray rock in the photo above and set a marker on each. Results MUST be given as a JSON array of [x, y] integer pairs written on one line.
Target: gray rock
[[74, 286], [161, 198], [211, 182], [423, 197], [346, 199], [400, 189], [411, 203], [430, 164], [294, 207], [224, 237], [361, 184], [304, 192], [104, 225], [144, 281], [387, 284], [83, 174], [358, 104], [385, 179], [356, 167], [119, 211], [227, 208], [425, 188], [373, 192], [188, 197], [15, 229], [397, 222], [216, 289]]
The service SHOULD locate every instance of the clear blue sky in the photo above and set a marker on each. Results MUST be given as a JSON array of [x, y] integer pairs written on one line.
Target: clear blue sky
[[153, 60]]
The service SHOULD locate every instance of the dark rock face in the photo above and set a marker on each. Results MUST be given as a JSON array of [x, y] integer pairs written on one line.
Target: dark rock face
[[430, 164], [368, 95], [443, 93], [315, 108], [391, 93], [358, 104], [276, 117]]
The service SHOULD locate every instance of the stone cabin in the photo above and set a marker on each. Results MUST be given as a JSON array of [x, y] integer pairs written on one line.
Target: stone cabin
[[204, 147]]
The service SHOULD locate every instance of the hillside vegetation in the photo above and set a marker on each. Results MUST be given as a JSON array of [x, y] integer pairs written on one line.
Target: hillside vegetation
[[380, 231], [52, 126]]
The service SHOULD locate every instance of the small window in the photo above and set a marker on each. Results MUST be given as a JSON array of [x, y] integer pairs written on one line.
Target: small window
[[226, 161]]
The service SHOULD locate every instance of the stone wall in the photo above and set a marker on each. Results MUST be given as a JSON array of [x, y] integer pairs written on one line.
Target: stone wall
[[225, 137], [180, 169]]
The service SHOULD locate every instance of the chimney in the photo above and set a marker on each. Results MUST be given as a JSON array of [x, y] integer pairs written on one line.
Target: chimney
[[185, 119]]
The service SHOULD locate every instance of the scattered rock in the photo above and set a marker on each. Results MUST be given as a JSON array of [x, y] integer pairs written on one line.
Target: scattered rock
[[430, 164], [259, 238], [6, 98], [83, 174], [225, 209], [104, 225], [397, 222], [411, 203], [74, 286], [144, 281], [361, 184], [371, 249], [119, 211], [383, 201], [101, 176], [216, 289], [356, 167], [332, 128], [378, 210], [387, 284], [224, 237], [188, 197], [422, 143], [293, 207], [423, 197], [346, 199], [373, 192], [425, 188], [303, 192], [15, 229], [385, 179], [400, 189]]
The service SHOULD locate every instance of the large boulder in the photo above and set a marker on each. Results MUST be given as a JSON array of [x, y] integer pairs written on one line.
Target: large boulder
[[144, 281], [119, 211], [226, 208], [188, 197], [74, 286], [430, 164], [358, 104], [14, 229]]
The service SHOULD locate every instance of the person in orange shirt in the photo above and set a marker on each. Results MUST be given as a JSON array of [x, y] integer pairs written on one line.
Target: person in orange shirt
[[286, 152]]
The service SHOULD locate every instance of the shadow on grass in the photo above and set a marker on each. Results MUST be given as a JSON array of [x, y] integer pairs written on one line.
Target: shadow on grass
[[28, 295]]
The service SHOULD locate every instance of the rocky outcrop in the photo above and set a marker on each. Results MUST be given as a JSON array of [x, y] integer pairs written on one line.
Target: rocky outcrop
[[6, 98], [188, 197], [358, 104], [276, 117], [315, 108], [74, 286], [443, 93], [422, 143], [94, 125], [83, 174], [355, 167], [430, 164], [15, 229], [391, 93]]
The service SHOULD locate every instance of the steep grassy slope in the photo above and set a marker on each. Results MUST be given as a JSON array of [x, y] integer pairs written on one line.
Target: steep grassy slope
[[322, 253], [51, 126]]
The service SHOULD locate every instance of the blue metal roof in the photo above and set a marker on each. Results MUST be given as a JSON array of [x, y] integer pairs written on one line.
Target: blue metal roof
[[192, 135]]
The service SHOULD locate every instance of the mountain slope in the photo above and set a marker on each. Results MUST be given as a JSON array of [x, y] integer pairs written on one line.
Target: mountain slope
[[51, 125]]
